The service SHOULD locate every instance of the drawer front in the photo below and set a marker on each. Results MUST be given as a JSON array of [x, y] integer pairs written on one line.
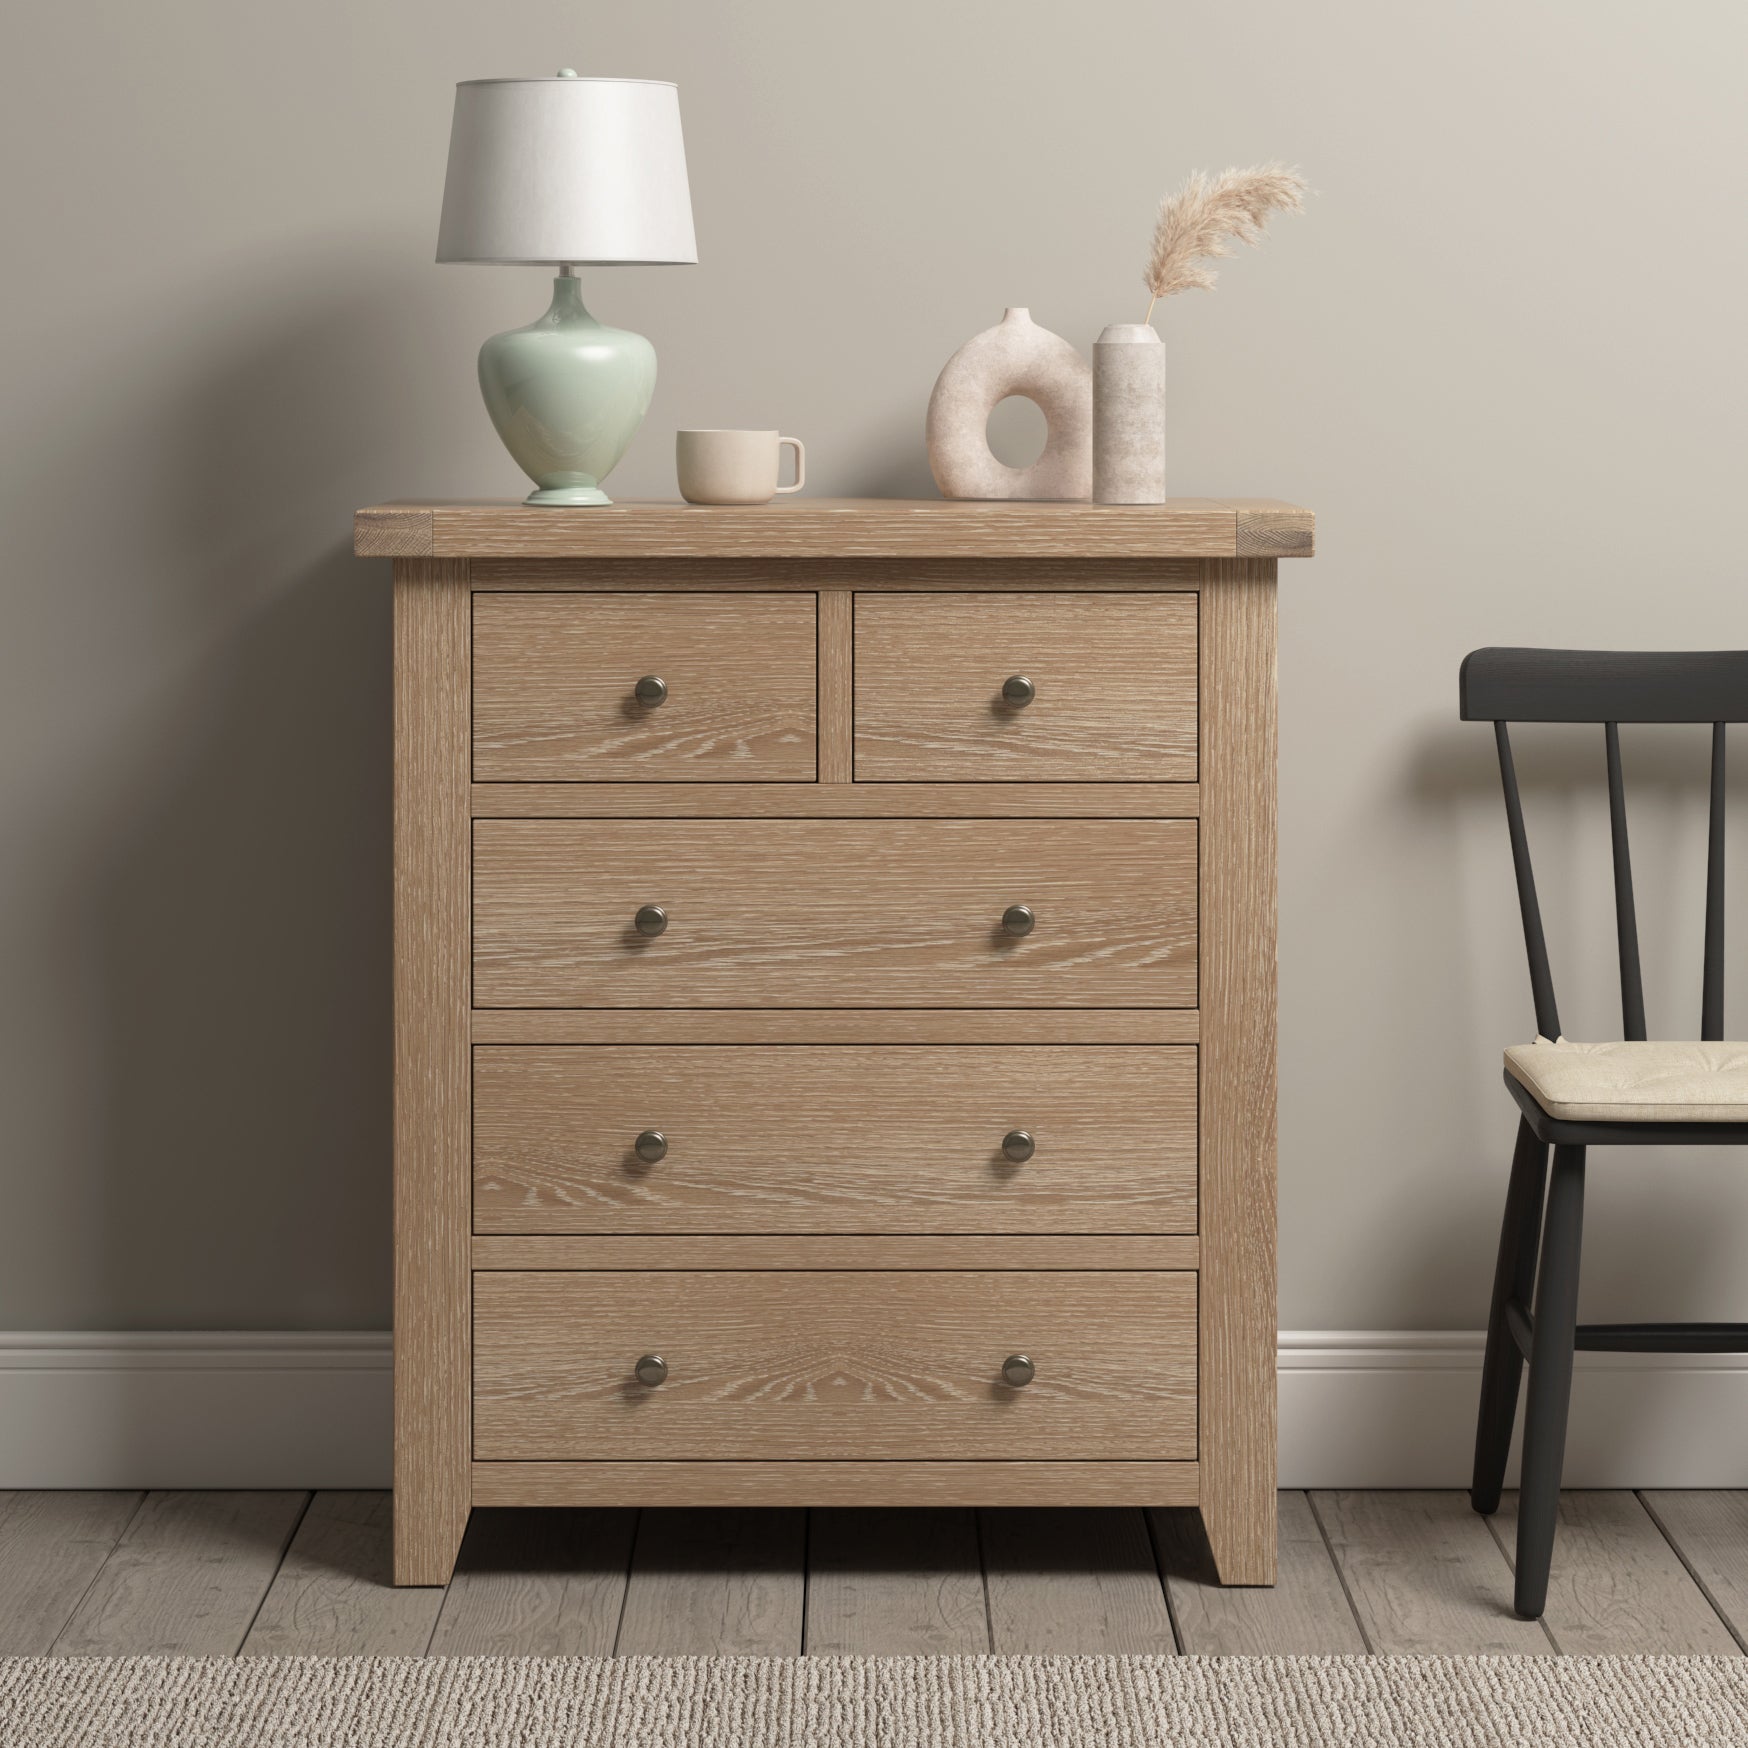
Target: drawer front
[[555, 688], [1113, 676], [834, 913], [838, 1139], [864, 1365]]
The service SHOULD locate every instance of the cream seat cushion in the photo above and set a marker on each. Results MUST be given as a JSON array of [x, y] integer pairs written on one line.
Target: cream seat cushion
[[1654, 1082]]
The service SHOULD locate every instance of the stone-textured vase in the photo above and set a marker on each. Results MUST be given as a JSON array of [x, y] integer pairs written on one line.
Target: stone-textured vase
[[1016, 357], [1129, 415], [567, 394]]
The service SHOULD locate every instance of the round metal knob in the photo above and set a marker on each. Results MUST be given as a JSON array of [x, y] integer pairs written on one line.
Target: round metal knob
[[1018, 691], [652, 1369], [1018, 1145], [1018, 919], [1018, 1371], [651, 690], [651, 1146], [651, 920]]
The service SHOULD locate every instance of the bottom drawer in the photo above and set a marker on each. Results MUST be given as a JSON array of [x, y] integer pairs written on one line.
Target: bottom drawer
[[834, 1365]]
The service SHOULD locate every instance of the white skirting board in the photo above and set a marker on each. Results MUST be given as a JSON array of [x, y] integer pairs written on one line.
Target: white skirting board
[[1359, 1408], [1396, 1408], [230, 1408]]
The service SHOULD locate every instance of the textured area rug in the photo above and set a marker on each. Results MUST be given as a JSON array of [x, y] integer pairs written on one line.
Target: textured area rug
[[873, 1702]]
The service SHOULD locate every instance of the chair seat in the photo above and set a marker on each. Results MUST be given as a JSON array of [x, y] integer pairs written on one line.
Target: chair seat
[[1638, 1082]]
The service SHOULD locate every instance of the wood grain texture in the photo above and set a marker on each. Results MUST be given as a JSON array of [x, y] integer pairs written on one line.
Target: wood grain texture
[[806, 527], [1115, 678], [1073, 1583], [554, 679], [834, 1366], [1617, 1588], [537, 1584], [1238, 1326], [186, 1578], [821, 914], [1709, 1530], [1102, 1250], [393, 531], [894, 1584], [1304, 1614], [835, 799], [833, 1139], [1269, 528], [51, 1547], [838, 574], [824, 1484], [776, 913], [722, 1583], [837, 688], [432, 1144], [837, 1026], [334, 1596], [1425, 1575], [878, 1581]]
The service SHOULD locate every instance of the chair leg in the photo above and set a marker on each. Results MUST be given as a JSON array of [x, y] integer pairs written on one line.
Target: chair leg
[[1550, 1380], [1513, 1278]]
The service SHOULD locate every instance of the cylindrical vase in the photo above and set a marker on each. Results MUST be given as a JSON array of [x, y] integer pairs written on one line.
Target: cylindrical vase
[[1129, 415]]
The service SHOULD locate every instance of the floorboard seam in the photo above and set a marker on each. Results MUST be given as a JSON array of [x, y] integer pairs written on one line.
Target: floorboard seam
[[1340, 1575], [1177, 1637], [309, 1499], [983, 1573], [443, 1606], [1688, 1567], [448, 1588], [1511, 1566], [806, 1570], [102, 1567], [630, 1567], [1492, 1520]]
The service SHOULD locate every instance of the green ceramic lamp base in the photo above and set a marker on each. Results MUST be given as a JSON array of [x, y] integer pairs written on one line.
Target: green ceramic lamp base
[[567, 495], [567, 395]]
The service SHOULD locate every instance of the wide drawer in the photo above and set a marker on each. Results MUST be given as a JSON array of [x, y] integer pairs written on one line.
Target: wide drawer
[[555, 688], [830, 1365], [834, 1139], [834, 913], [1112, 688]]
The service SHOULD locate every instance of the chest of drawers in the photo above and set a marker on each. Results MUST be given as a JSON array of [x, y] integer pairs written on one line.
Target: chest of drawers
[[834, 1008]]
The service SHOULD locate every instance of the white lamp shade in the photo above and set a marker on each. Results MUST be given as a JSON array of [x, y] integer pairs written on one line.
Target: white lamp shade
[[566, 169]]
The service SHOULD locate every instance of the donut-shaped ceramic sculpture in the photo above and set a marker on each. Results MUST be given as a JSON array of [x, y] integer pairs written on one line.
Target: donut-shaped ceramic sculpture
[[1015, 357]]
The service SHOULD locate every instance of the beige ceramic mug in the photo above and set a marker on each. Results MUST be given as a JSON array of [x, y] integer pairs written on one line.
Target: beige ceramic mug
[[734, 467]]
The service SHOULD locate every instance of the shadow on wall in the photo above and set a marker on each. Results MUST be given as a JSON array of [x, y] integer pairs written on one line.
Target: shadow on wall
[[245, 925], [1453, 776], [241, 907], [1655, 1213]]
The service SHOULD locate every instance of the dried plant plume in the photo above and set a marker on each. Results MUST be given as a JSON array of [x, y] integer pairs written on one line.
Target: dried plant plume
[[1200, 222]]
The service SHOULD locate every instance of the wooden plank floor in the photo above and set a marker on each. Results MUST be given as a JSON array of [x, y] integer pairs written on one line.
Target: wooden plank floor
[[287, 1574]]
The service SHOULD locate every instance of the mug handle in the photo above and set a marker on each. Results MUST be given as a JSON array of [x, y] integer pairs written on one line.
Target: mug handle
[[800, 463]]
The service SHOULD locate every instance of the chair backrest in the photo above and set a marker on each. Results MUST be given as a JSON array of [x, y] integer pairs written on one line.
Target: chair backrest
[[1610, 687]]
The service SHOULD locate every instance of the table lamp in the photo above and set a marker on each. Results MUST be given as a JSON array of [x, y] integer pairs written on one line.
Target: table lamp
[[561, 171]]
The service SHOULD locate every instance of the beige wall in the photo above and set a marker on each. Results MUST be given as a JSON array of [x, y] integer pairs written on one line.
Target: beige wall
[[1501, 355]]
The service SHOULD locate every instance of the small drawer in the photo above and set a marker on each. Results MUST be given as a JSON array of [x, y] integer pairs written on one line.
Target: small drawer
[[1025, 688], [605, 1139], [834, 913], [866, 1365], [727, 688]]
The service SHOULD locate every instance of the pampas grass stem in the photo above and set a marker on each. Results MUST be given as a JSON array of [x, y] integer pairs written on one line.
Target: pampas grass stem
[[1206, 216]]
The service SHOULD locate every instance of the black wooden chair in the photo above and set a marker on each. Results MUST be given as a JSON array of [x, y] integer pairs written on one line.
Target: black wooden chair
[[1576, 1096]]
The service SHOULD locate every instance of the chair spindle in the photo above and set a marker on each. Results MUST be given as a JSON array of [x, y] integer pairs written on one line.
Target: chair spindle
[[1535, 943], [1626, 920], [1711, 1024]]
